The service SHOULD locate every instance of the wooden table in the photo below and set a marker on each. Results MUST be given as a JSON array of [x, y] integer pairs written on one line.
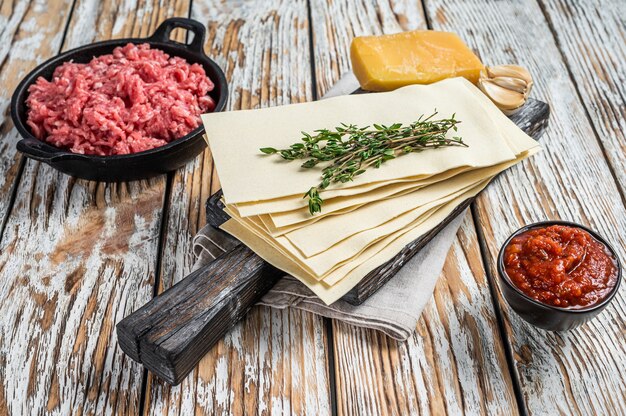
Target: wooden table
[[78, 256]]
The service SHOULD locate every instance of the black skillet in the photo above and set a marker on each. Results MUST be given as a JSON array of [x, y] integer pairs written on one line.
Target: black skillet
[[123, 167]]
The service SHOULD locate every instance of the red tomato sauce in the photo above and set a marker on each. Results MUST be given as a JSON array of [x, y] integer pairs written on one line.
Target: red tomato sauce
[[561, 266]]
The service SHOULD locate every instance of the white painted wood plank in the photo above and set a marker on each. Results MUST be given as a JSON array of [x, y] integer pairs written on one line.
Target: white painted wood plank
[[75, 259], [581, 371], [592, 37], [274, 362], [455, 362], [27, 38]]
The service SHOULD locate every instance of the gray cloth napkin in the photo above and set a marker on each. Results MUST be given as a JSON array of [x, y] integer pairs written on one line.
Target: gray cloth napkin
[[394, 309]]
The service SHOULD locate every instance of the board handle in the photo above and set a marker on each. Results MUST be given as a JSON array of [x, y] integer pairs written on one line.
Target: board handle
[[171, 333]]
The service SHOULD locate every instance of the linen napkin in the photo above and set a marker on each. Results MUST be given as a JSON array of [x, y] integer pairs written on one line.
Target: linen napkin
[[394, 309]]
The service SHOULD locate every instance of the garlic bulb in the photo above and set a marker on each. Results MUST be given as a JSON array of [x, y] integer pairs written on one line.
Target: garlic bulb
[[507, 86]]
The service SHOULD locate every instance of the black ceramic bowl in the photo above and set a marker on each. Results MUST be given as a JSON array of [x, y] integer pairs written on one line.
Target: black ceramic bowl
[[137, 165], [546, 316]]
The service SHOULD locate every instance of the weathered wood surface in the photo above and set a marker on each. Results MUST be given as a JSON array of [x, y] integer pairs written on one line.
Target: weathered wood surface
[[170, 334], [27, 38], [581, 371], [455, 362], [591, 35], [77, 256], [274, 362]]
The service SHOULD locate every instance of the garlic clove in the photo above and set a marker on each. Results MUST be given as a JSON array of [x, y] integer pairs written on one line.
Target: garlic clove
[[504, 98], [512, 71], [508, 86], [514, 84]]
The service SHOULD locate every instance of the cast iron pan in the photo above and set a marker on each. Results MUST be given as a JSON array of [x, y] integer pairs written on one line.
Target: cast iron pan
[[124, 167]]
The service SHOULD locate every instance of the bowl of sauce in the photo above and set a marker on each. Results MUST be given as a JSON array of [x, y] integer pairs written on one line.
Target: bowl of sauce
[[558, 275]]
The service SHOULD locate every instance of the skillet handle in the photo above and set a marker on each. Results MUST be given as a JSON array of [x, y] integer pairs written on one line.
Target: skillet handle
[[36, 150], [162, 33], [43, 152], [171, 333]]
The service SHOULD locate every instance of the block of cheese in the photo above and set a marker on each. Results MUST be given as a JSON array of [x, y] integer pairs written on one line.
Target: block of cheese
[[387, 62]]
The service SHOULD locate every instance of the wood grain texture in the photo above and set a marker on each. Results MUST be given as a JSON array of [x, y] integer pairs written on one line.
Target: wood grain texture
[[335, 23], [27, 38], [455, 362], [581, 371], [592, 37], [170, 334], [75, 258], [274, 362]]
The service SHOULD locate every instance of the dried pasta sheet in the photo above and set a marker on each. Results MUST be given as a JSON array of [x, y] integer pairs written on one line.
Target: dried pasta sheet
[[337, 241], [366, 222], [285, 213], [347, 252], [366, 192], [347, 277], [248, 176], [301, 217], [332, 230]]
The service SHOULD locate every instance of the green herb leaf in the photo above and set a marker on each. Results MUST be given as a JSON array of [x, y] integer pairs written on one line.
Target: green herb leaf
[[350, 150], [268, 150]]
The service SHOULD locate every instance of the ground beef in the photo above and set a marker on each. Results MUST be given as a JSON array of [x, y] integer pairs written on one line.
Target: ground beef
[[134, 99]]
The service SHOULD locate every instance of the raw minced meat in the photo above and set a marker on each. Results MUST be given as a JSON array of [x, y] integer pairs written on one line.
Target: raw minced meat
[[134, 99]]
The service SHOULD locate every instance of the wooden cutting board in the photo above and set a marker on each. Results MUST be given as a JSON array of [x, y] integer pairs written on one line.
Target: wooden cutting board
[[172, 332], [532, 119]]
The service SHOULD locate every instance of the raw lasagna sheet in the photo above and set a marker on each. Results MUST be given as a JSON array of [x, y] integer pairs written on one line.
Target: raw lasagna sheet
[[343, 281], [300, 217], [288, 211], [248, 176], [367, 222], [274, 231], [366, 193], [347, 251], [343, 257], [328, 232]]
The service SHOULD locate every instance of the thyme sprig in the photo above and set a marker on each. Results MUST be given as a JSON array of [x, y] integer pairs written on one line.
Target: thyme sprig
[[351, 149]]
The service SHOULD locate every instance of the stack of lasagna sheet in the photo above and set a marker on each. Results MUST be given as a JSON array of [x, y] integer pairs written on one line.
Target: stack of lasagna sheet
[[366, 222]]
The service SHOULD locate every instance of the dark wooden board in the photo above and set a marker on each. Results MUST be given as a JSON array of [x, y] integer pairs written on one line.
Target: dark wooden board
[[171, 333], [532, 119]]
